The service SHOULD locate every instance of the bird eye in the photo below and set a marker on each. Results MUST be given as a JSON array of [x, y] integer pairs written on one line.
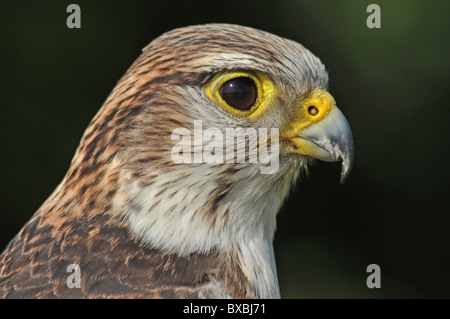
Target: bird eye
[[240, 93]]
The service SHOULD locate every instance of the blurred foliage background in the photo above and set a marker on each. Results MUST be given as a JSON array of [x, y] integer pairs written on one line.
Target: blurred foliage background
[[391, 83]]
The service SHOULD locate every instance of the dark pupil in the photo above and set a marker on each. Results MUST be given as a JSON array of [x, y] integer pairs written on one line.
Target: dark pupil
[[239, 93]]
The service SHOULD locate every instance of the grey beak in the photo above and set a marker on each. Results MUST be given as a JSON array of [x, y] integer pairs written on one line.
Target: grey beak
[[334, 139]]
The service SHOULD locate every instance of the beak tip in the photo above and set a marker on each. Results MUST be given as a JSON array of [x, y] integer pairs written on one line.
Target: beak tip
[[345, 173], [347, 164]]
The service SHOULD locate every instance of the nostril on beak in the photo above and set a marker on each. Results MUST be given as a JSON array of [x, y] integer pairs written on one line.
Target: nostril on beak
[[313, 110]]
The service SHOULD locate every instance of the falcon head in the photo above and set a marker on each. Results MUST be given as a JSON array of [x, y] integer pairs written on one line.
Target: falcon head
[[156, 155]]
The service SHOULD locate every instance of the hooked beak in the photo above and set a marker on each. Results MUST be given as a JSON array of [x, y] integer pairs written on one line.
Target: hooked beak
[[329, 138]]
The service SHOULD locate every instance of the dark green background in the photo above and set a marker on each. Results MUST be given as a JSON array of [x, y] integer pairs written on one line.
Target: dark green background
[[391, 83]]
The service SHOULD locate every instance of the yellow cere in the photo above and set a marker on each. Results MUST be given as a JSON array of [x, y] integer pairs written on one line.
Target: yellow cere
[[309, 112], [265, 95]]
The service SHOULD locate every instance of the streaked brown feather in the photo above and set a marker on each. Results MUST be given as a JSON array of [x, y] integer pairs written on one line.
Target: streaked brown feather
[[113, 265]]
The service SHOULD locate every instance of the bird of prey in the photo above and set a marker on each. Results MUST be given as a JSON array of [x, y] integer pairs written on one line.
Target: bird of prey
[[139, 223]]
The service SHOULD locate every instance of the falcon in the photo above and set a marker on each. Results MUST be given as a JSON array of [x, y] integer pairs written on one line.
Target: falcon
[[135, 223]]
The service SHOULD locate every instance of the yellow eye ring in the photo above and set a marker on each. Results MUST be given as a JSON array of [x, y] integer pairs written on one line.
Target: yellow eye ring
[[242, 93]]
